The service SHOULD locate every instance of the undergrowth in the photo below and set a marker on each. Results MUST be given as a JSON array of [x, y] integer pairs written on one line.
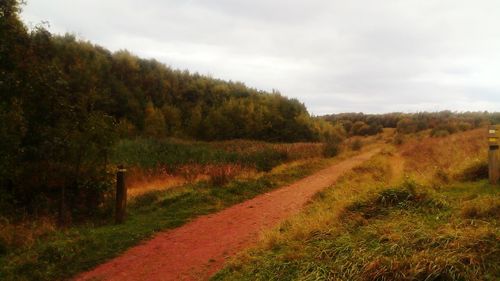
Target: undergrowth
[[61, 253], [365, 229]]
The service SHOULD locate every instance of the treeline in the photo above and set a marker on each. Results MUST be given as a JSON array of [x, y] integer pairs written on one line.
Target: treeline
[[439, 123], [64, 103], [144, 97]]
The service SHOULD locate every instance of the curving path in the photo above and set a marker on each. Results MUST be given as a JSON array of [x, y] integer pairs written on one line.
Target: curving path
[[199, 248]]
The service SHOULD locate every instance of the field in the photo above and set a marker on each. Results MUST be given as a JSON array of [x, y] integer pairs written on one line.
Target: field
[[191, 178], [159, 164], [420, 211]]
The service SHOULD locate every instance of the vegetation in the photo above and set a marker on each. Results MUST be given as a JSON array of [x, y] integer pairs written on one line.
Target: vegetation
[[71, 111], [440, 124], [173, 154], [66, 104], [42, 252], [382, 223]]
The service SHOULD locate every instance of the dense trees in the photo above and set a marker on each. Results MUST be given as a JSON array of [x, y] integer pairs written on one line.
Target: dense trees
[[440, 123], [64, 102]]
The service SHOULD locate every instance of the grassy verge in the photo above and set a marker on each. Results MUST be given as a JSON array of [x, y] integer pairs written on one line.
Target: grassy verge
[[62, 254], [364, 229]]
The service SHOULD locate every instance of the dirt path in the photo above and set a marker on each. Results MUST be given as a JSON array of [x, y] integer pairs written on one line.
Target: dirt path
[[198, 249]]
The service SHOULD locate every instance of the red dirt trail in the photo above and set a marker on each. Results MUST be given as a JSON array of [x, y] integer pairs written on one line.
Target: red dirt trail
[[199, 248]]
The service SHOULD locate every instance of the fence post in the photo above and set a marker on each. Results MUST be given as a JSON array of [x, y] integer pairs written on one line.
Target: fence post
[[121, 195], [493, 157]]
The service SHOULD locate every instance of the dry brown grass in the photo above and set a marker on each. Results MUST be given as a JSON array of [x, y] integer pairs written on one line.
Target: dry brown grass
[[294, 151], [140, 181], [481, 208], [370, 226], [442, 158], [221, 174], [143, 181]]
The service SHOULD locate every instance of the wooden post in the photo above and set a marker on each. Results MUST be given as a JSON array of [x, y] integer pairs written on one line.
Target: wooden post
[[121, 195], [493, 155]]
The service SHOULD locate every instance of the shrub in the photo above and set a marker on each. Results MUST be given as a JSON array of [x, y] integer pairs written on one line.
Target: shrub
[[481, 208], [398, 139], [476, 170], [406, 126], [393, 197], [331, 148], [464, 126], [190, 171], [441, 176], [146, 199], [267, 159], [356, 145], [439, 133], [221, 174]]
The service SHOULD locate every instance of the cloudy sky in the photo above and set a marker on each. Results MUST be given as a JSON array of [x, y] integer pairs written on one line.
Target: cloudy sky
[[335, 56]]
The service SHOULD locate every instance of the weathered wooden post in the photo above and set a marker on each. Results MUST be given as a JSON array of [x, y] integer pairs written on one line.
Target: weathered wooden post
[[121, 195], [493, 157]]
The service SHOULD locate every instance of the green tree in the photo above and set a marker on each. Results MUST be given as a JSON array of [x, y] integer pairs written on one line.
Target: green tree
[[173, 119], [154, 123]]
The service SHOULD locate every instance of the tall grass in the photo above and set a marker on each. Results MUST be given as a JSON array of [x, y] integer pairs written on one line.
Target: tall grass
[[441, 159], [170, 155], [169, 162], [59, 253], [366, 227]]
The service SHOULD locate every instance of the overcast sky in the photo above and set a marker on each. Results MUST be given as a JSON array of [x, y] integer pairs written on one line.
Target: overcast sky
[[335, 56]]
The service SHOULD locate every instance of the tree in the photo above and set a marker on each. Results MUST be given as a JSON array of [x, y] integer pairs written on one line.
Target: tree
[[173, 119], [154, 123], [194, 121]]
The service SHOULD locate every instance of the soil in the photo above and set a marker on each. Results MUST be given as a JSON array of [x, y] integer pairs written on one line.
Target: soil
[[200, 248]]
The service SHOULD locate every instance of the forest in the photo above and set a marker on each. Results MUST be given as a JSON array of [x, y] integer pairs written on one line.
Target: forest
[[440, 123], [66, 102]]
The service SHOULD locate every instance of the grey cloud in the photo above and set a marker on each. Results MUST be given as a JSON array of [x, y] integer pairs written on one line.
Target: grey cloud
[[373, 56]]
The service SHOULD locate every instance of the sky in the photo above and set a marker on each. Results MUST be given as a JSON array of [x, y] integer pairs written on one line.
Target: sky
[[334, 56]]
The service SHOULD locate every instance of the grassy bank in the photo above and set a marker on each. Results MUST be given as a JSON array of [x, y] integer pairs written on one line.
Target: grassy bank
[[370, 227], [62, 253]]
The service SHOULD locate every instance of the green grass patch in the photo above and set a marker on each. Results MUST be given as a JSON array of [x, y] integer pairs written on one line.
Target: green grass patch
[[171, 154]]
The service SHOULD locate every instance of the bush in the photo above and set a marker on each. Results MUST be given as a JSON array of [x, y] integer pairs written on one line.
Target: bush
[[267, 159], [331, 149], [146, 199], [356, 145], [477, 170], [398, 139], [439, 133], [394, 197], [222, 174]]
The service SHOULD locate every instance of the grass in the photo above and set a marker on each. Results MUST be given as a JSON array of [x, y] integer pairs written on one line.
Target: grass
[[171, 154], [62, 253], [160, 164], [367, 227], [441, 159]]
